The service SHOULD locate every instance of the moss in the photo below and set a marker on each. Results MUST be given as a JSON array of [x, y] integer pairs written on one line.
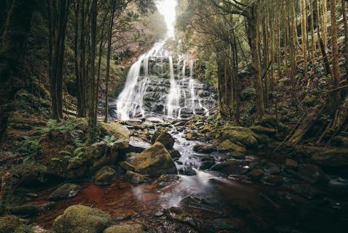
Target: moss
[[154, 161], [13, 224], [79, 218], [227, 145], [114, 129], [239, 134], [125, 228]]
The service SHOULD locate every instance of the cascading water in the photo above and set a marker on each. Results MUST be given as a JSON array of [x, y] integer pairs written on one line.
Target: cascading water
[[173, 105]]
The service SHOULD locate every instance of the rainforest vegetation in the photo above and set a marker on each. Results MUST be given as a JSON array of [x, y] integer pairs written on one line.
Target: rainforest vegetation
[[173, 116]]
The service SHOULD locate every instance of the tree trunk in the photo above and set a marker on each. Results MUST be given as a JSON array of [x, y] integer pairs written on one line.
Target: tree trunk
[[345, 22], [335, 64]]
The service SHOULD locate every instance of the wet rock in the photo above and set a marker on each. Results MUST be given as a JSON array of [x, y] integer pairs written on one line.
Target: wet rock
[[166, 180], [204, 149], [10, 223], [311, 173], [272, 180], [126, 228], [191, 136], [333, 159], [65, 191], [271, 168], [255, 174], [105, 176], [223, 225], [138, 145], [115, 129], [163, 137], [154, 161], [178, 214], [79, 218], [230, 167], [24, 210], [291, 164], [227, 145], [241, 135], [136, 178], [207, 164], [175, 154]]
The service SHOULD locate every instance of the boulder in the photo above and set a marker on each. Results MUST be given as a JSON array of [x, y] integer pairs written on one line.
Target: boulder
[[115, 129], [138, 144], [230, 167], [204, 149], [125, 228], [136, 178], [163, 137], [241, 135], [227, 145], [255, 174], [13, 224], [335, 159], [65, 191], [105, 176], [311, 173], [79, 218], [291, 164], [175, 154], [154, 161]]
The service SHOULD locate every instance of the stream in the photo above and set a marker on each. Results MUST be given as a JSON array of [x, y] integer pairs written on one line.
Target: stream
[[214, 201]]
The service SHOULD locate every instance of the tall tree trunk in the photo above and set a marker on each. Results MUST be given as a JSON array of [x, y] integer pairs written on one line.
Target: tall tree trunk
[[345, 22], [334, 45]]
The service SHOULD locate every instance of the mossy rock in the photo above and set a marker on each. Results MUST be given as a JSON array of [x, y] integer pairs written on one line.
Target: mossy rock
[[105, 176], [136, 178], [65, 191], [79, 218], [154, 161], [115, 129], [227, 145], [163, 137], [125, 228], [241, 135], [13, 224]]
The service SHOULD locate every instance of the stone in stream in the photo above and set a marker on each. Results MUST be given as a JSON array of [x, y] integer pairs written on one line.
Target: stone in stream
[[311, 173], [67, 190], [137, 144], [291, 164], [255, 174], [175, 154], [126, 228], [154, 161], [230, 167], [204, 149], [271, 168], [80, 218], [241, 135], [227, 145], [207, 164], [105, 176], [163, 137], [136, 178], [10, 223]]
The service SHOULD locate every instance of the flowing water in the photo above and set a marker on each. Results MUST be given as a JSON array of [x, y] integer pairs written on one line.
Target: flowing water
[[157, 85]]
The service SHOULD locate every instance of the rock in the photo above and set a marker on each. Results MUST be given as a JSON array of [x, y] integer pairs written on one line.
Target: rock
[[271, 168], [65, 191], [13, 224], [207, 164], [105, 176], [335, 159], [223, 225], [178, 214], [154, 161], [230, 167], [29, 210], [291, 164], [115, 129], [272, 180], [255, 174], [175, 154], [138, 145], [311, 173], [125, 228], [79, 218], [127, 166], [163, 137], [136, 178], [227, 145], [204, 149], [241, 135]]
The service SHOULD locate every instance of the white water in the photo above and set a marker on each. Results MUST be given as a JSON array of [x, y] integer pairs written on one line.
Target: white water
[[173, 105], [131, 98]]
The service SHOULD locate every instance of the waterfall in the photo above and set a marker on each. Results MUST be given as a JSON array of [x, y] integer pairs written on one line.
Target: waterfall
[[173, 105], [130, 101]]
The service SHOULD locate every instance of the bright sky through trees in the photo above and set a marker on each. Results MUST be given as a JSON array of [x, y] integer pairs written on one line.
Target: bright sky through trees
[[167, 9]]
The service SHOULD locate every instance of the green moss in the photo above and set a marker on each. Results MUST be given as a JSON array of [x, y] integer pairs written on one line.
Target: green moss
[[13, 224]]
